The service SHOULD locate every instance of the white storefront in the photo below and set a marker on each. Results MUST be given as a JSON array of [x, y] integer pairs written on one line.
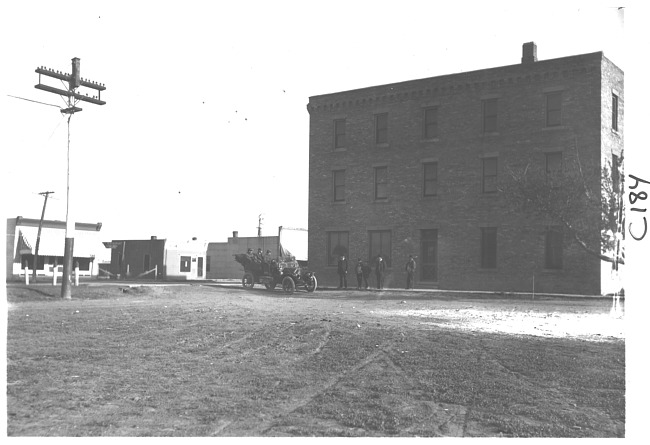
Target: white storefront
[[185, 260], [22, 238]]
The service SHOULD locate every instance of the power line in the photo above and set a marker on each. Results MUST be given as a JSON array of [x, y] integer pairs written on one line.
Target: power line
[[30, 100]]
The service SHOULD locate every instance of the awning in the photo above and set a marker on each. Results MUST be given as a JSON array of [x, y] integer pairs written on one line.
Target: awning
[[22, 246], [87, 244], [293, 242]]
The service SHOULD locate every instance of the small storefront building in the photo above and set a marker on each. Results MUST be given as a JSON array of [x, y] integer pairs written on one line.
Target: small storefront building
[[23, 237], [157, 259]]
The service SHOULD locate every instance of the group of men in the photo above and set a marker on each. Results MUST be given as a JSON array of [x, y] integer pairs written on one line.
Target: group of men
[[261, 258], [363, 270]]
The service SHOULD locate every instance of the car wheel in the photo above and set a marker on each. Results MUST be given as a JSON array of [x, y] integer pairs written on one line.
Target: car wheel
[[312, 284], [288, 285], [248, 281]]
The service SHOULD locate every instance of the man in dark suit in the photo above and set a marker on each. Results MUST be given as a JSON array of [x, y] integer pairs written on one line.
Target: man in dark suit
[[410, 272], [358, 269]]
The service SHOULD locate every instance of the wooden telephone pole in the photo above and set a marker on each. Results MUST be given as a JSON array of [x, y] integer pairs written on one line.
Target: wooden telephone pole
[[38, 235], [259, 225], [72, 97]]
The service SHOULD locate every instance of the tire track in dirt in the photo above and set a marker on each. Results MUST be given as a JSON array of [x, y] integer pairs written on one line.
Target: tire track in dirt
[[324, 341], [449, 419], [306, 395], [557, 393], [445, 419], [243, 353]]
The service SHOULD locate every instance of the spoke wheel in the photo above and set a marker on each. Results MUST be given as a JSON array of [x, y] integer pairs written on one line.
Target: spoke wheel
[[248, 281], [312, 284], [288, 285]]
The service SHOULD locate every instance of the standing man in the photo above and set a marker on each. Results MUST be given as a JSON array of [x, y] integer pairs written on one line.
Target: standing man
[[380, 269], [366, 269], [343, 272], [410, 272], [358, 269]]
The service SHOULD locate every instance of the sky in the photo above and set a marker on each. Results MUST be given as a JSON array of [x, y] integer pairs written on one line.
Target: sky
[[205, 126]]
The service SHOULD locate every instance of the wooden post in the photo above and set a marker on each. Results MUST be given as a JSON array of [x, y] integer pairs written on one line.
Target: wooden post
[[533, 286], [26, 275], [76, 274], [55, 269]]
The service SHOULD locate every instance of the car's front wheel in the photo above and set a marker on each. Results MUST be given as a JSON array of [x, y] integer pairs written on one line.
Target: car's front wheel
[[288, 285], [312, 284]]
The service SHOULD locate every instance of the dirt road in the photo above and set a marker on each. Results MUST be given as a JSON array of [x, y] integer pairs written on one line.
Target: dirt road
[[209, 360]]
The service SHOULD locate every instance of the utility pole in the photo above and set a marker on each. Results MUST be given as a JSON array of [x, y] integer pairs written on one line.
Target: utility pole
[[259, 225], [72, 97], [38, 235]]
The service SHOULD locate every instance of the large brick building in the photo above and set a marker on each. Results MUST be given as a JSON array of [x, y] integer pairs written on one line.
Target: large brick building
[[415, 167]]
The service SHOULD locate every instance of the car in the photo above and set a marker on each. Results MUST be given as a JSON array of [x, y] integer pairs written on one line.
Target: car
[[284, 271]]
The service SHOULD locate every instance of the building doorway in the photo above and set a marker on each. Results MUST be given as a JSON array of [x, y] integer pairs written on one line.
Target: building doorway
[[429, 255]]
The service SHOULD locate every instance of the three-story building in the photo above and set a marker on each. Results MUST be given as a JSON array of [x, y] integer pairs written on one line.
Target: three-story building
[[416, 168]]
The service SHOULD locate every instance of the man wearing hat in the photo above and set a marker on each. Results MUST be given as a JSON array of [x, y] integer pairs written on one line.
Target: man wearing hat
[[358, 269], [410, 272], [259, 255]]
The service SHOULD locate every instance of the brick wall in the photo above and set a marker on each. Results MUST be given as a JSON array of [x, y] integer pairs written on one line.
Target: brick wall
[[460, 208]]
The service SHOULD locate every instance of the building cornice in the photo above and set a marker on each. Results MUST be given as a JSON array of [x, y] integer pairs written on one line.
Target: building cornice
[[51, 224], [489, 80]]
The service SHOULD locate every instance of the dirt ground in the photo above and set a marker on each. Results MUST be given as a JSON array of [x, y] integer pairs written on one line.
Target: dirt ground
[[592, 319], [225, 361]]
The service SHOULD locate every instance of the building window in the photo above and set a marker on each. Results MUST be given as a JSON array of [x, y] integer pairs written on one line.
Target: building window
[[614, 112], [207, 263], [186, 264], [489, 175], [616, 175], [430, 123], [429, 255], [489, 115], [379, 244], [430, 179], [554, 109], [381, 128], [488, 247], [553, 168], [381, 183], [553, 251], [337, 245], [147, 262], [339, 133], [338, 185]]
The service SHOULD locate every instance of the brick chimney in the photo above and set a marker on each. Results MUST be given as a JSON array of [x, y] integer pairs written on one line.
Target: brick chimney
[[529, 53], [235, 233]]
